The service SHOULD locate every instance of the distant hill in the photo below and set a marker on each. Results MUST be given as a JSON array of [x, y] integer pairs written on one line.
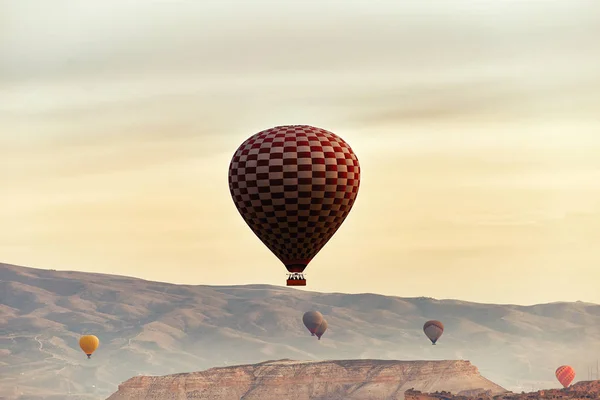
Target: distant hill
[[152, 328], [331, 380]]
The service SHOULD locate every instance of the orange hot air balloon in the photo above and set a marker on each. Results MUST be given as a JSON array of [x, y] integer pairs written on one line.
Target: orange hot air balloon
[[565, 375], [294, 186], [89, 344], [433, 330]]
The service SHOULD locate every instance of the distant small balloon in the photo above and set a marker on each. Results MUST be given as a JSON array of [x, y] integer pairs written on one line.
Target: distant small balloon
[[320, 331], [312, 320], [89, 344], [433, 329], [565, 375]]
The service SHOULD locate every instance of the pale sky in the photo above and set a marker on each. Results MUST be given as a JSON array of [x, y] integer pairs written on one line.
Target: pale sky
[[476, 123]]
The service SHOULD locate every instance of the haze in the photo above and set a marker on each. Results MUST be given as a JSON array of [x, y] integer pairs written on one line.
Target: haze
[[477, 125]]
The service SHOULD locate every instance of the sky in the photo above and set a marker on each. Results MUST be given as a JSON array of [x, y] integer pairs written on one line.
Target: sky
[[476, 123]]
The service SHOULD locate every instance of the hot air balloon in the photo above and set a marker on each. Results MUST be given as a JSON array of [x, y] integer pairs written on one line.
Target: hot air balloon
[[433, 329], [312, 320], [565, 375], [89, 344], [320, 331], [294, 186]]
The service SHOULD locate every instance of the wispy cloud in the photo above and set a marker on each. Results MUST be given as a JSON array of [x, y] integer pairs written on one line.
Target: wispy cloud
[[476, 124]]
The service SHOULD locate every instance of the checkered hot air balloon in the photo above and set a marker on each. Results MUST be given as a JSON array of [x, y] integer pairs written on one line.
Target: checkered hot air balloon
[[294, 186]]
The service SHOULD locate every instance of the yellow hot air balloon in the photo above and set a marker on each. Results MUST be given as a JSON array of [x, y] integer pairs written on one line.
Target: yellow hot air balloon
[[89, 344]]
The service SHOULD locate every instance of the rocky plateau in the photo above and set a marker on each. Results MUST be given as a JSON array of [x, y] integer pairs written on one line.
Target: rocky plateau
[[297, 380]]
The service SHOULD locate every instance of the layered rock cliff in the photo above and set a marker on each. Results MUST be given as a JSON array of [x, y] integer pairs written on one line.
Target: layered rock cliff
[[304, 380]]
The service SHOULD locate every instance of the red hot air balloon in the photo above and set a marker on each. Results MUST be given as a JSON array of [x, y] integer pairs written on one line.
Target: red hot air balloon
[[565, 375], [294, 186]]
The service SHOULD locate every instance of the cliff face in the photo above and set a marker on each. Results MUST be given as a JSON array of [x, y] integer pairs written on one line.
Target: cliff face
[[580, 391], [298, 380]]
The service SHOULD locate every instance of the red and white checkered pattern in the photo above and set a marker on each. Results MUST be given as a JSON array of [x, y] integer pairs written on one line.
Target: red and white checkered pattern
[[294, 186]]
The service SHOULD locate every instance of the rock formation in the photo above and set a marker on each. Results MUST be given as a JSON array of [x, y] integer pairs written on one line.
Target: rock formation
[[305, 380], [580, 391]]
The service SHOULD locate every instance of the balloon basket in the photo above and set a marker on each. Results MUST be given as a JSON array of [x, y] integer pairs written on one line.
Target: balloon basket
[[296, 279]]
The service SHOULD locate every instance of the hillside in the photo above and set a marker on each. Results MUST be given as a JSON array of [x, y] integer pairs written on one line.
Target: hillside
[[151, 328], [331, 380], [580, 391]]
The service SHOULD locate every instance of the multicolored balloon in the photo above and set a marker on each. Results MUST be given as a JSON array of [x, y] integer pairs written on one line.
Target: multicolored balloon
[[433, 329], [565, 375], [89, 344], [294, 186], [312, 320]]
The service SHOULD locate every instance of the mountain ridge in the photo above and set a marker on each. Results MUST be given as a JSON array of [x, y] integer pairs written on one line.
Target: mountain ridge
[[148, 327], [269, 286]]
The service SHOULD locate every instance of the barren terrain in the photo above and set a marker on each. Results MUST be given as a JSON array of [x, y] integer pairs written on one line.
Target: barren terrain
[[152, 328], [580, 391], [325, 380]]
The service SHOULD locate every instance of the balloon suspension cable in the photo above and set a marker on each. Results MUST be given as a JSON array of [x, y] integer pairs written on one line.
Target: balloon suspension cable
[[296, 279]]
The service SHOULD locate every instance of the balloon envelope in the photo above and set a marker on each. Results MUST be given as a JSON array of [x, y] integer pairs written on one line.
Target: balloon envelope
[[433, 330], [89, 344], [565, 375], [312, 320], [294, 186], [320, 331]]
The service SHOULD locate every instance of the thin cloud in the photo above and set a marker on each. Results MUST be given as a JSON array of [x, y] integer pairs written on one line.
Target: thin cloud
[[472, 120]]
